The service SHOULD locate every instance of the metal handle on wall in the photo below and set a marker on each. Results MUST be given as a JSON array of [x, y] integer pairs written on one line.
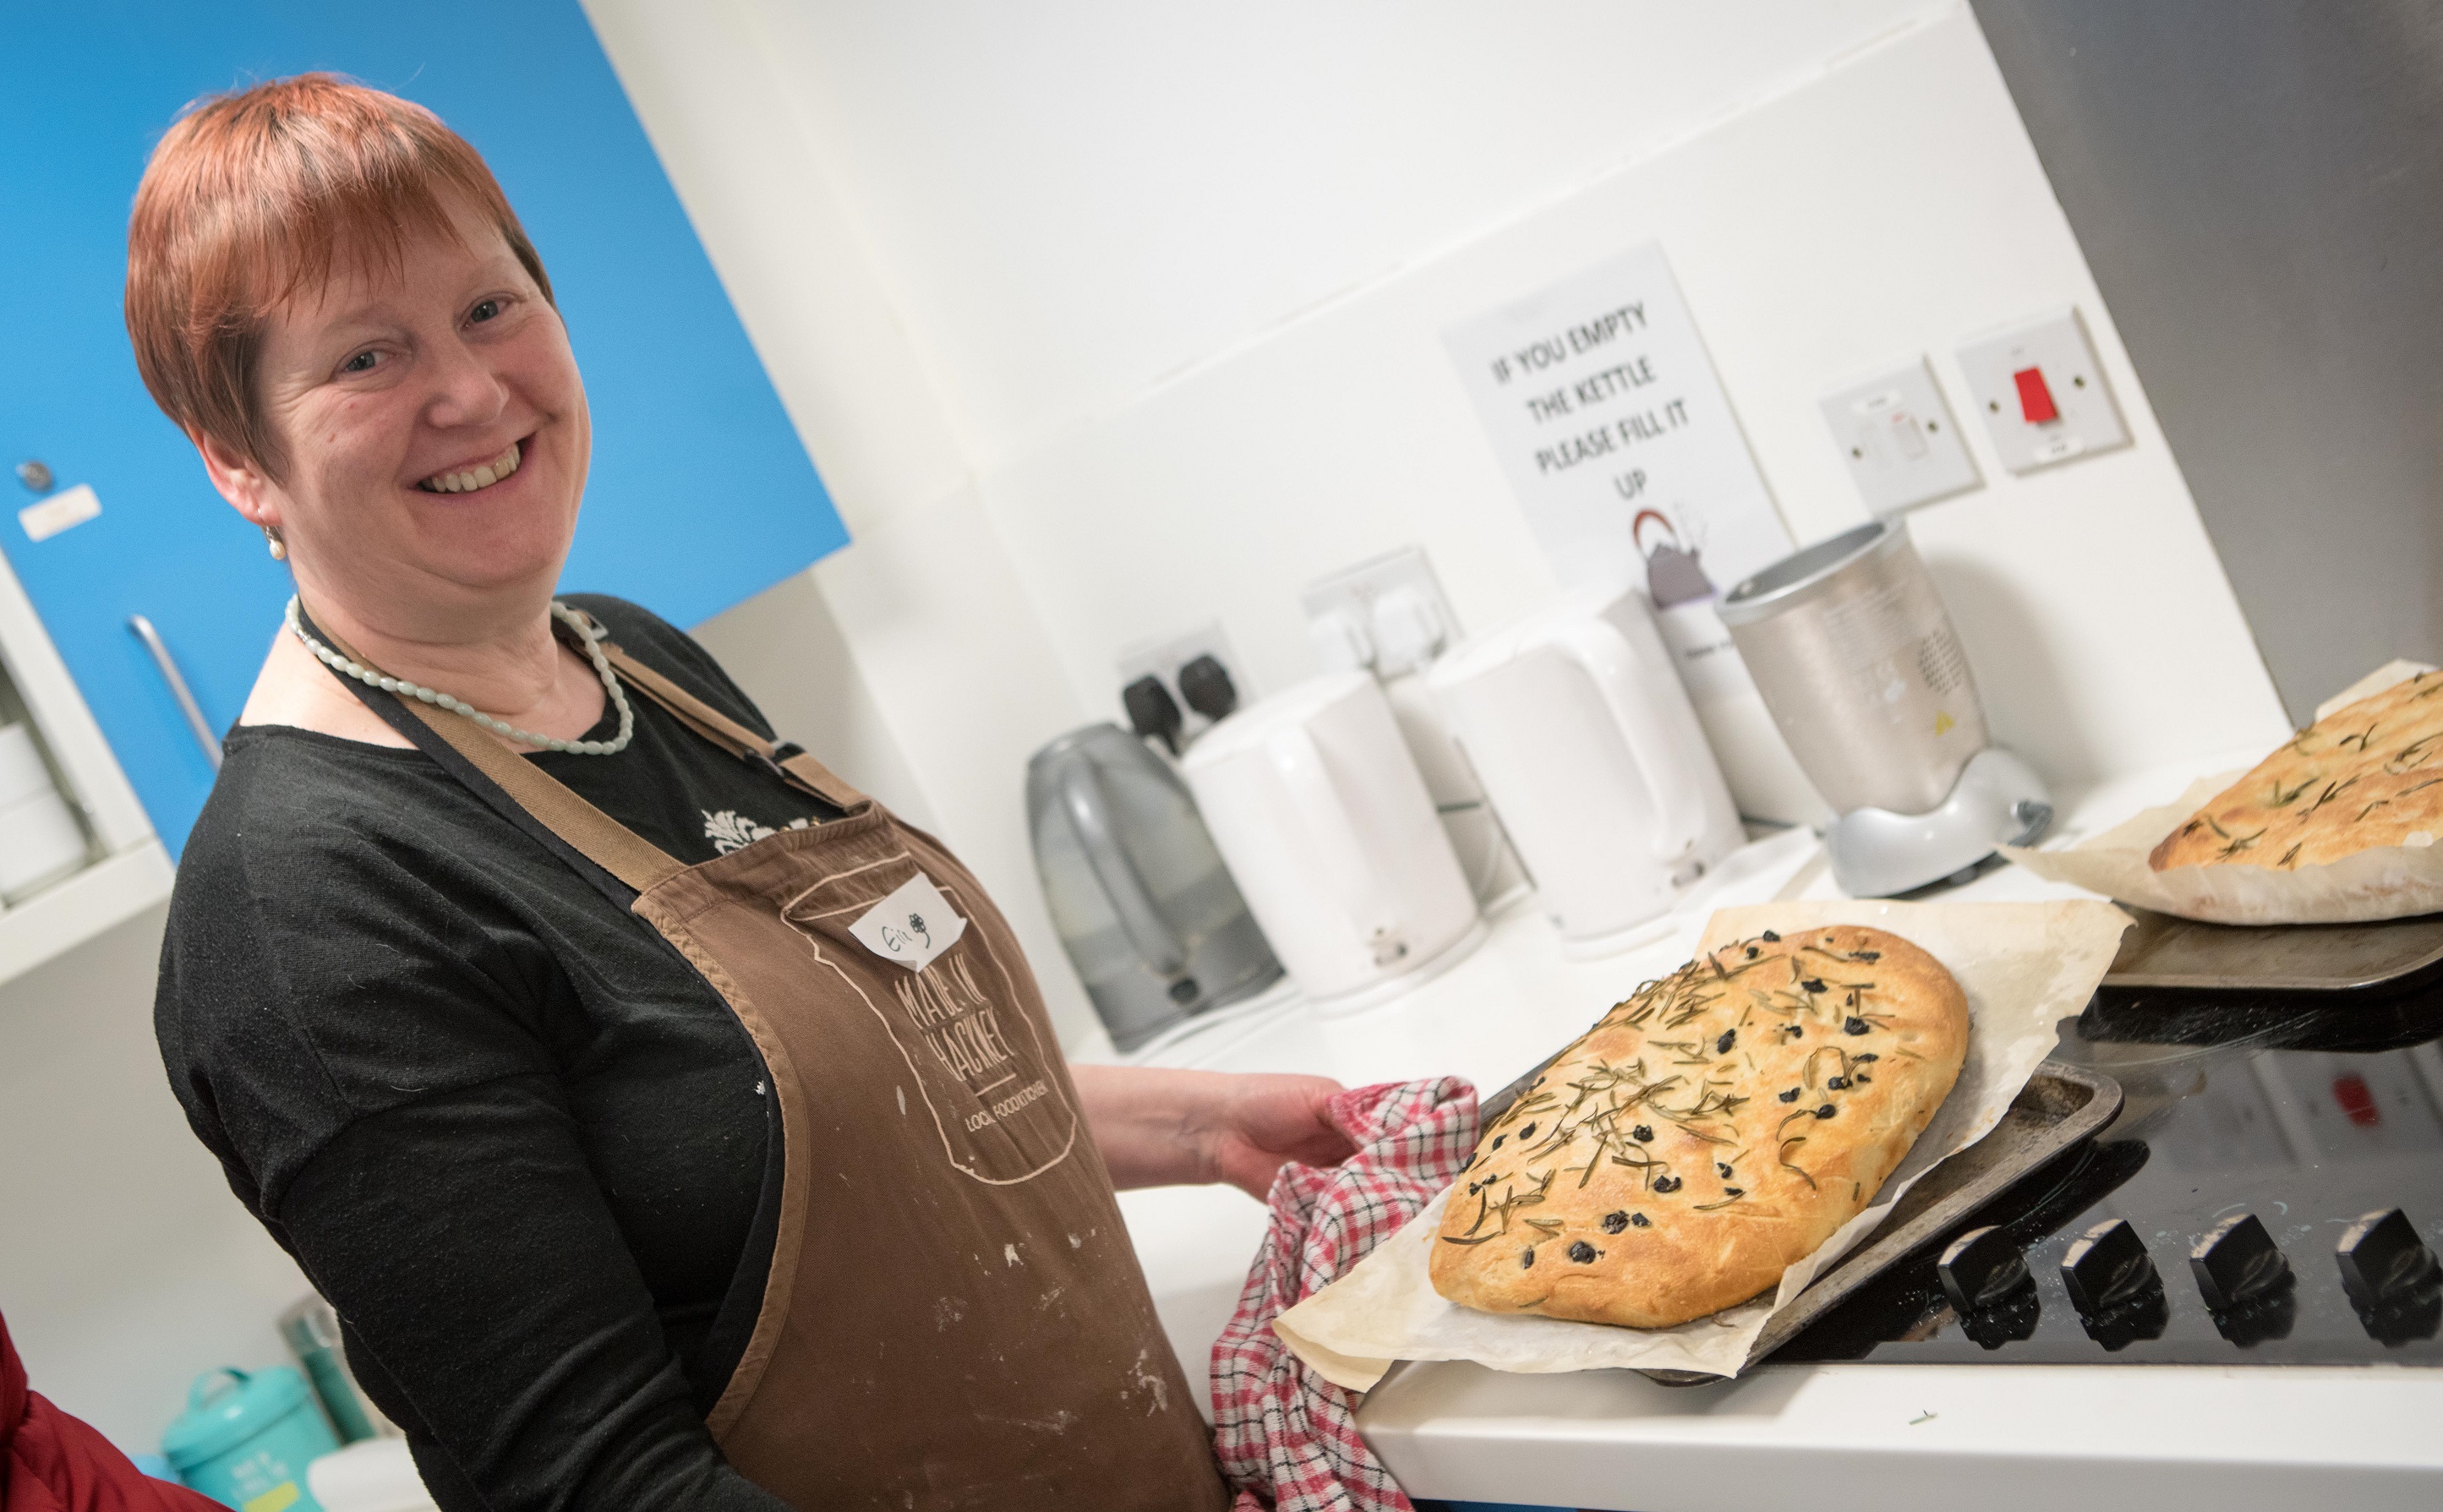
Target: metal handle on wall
[[178, 689]]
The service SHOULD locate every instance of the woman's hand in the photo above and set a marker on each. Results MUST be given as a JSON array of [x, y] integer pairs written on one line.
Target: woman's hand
[[1163, 1128]]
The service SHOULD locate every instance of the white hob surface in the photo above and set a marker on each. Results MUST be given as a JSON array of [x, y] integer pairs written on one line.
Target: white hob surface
[[1823, 1437]]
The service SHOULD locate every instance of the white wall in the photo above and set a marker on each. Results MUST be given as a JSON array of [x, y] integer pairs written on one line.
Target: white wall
[[1108, 319], [1070, 200], [1888, 207], [126, 1266]]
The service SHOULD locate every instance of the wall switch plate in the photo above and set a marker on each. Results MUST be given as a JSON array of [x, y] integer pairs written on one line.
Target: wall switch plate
[[1388, 615], [1161, 660], [2042, 392], [1898, 436]]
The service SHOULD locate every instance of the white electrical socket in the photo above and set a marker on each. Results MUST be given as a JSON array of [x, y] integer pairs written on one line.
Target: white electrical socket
[[1388, 615], [1897, 437], [2042, 392], [1162, 660]]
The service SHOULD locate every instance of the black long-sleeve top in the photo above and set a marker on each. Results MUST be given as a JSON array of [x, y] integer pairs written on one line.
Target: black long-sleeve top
[[518, 1142]]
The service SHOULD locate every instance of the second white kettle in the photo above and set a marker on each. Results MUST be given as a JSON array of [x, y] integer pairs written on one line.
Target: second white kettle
[[1316, 805], [1579, 727]]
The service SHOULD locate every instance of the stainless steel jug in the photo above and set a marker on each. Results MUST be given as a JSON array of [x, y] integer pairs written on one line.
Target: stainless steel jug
[[1147, 911], [1855, 655]]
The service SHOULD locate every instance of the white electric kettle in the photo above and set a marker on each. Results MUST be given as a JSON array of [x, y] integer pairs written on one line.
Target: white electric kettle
[[1578, 724], [1317, 808]]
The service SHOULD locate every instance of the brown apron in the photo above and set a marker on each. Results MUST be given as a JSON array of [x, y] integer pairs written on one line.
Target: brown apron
[[954, 1316]]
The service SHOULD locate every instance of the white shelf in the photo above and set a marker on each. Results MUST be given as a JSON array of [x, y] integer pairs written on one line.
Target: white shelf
[[96, 784], [135, 871], [76, 908]]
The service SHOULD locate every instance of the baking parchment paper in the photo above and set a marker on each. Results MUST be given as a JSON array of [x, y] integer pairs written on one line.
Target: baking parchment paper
[[2388, 882], [2024, 968]]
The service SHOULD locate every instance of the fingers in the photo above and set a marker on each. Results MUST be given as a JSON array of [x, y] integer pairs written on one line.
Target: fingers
[[1261, 1122], [1287, 1107], [1330, 1149], [1252, 1167]]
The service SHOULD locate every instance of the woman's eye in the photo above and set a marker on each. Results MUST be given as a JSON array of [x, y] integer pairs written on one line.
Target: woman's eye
[[361, 362], [484, 310]]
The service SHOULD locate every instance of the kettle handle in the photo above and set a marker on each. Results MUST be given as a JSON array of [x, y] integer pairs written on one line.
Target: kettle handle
[[1089, 809], [1611, 661], [1298, 760]]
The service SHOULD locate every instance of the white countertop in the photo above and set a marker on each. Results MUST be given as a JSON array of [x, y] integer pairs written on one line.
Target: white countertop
[[1823, 1437]]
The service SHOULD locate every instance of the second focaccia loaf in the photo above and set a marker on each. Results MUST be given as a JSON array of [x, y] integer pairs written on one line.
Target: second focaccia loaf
[[2369, 775], [1708, 1132]]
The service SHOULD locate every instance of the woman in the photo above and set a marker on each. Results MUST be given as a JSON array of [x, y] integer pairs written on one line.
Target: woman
[[668, 1123]]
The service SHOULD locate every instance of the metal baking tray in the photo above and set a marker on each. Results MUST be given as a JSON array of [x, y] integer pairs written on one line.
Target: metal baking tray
[[2165, 959], [2060, 1105]]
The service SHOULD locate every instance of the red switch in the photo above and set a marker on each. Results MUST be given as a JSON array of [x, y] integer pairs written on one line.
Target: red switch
[[2357, 1099], [2036, 400]]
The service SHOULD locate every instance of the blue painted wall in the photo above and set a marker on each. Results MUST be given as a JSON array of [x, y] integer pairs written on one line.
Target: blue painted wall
[[700, 494]]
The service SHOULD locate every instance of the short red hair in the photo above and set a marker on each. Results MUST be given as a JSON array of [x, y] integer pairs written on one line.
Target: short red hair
[[256, 194]]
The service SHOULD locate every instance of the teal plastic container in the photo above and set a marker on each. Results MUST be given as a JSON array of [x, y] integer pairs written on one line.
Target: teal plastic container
[[246, 1438]]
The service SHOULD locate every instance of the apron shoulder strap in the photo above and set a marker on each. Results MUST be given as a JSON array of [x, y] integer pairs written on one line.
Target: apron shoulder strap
[[729, 734], [522, 792], [562, 814], [595, 835]]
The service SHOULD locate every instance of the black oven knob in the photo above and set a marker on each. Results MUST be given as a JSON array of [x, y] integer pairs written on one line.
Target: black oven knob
[[2106, 1267], [2383, 1261], [2237, 1261], [1980, 1267]]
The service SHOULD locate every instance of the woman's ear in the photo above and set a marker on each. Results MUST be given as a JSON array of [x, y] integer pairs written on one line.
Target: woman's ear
[[242, 481]]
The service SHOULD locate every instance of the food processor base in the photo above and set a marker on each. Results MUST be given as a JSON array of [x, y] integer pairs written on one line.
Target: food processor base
[[1997, 801]]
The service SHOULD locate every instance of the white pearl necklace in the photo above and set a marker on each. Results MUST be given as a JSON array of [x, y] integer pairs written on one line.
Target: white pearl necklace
[[399, 685]]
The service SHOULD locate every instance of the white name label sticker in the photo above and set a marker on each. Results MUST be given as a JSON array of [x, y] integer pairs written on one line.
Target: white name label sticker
[[69, 506], [911, 926]]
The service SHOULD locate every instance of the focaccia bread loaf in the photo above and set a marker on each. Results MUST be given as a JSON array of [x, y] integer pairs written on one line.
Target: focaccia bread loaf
[[2370, 774], [1706, 1133]]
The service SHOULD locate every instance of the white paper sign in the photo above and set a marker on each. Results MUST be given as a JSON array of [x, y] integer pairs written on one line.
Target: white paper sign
[[911, 926], [1613, 428], [69, 506]]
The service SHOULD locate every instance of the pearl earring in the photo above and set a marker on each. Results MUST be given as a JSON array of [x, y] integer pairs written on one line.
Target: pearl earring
[[279, 547]]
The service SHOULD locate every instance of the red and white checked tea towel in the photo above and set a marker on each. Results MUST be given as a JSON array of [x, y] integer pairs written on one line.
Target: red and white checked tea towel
[[1285, 1435]]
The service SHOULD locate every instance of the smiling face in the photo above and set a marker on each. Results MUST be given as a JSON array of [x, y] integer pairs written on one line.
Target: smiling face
[[430, 434]]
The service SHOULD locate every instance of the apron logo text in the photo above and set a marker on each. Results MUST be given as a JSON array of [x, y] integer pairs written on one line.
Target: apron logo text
[[1005, 1106], [957, 1021]]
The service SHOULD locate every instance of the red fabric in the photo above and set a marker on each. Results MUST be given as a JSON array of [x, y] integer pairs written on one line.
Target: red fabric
[[1286, 1436], [50, 1462]]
